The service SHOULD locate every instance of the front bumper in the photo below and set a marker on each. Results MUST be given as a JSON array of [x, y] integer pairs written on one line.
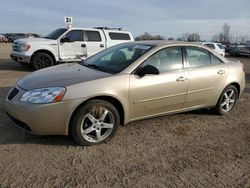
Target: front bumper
[[21, 58], [41, 119]]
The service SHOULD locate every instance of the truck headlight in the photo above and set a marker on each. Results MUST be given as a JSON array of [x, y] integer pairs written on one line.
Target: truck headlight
[[24, 47], [43, 95]]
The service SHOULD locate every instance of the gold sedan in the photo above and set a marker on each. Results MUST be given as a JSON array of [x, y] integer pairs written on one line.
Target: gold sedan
[[127, 82]]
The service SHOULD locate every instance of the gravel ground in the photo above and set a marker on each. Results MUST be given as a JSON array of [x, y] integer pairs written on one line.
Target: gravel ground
[[194, 149]]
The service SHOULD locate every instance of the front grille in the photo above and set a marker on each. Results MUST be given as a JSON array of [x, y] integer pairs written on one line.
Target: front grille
[[15, 47], [13, 93]]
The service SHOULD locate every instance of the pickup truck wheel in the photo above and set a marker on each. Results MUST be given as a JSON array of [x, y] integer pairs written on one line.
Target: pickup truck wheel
[[96, 122], [41, 60]]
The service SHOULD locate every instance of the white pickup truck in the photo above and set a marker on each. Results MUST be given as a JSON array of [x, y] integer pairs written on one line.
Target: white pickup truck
[[66, 45]]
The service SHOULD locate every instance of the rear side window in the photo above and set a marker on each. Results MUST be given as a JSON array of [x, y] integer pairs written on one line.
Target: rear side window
[[93, 36], [119, 36], [210, 46], [197, 57]]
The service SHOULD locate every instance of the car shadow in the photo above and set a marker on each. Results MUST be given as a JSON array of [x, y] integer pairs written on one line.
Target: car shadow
[[8, 64]]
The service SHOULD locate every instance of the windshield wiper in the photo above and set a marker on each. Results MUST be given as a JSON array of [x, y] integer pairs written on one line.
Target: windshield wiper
[[95, 67]]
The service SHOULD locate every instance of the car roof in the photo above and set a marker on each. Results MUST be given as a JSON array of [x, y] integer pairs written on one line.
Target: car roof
[[163, 43]]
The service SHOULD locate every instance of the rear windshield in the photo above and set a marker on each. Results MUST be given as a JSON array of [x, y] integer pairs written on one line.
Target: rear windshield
[[119, 36]]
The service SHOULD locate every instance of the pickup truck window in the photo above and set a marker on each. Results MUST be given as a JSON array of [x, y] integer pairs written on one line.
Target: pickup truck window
[[55, 34], [74, 35], [119, 36], [93, 36], [115, 59]]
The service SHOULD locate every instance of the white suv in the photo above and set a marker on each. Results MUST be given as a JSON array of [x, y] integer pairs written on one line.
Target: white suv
[[216, 47]]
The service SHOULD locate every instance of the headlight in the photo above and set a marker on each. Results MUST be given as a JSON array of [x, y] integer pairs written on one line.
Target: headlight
[[43, 95], [24, 47]]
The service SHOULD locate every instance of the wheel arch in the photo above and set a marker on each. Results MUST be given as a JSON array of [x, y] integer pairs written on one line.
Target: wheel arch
[[117, 104], [44, 51], [237, 85]]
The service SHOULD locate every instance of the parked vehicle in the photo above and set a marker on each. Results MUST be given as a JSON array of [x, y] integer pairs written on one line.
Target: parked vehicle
[[66, 45], [3, 38], [218, 47], [239, 50], [124, 83], [16, 36]]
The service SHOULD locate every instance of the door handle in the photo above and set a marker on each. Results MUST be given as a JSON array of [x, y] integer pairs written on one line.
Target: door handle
[[101, 45], [83, 45], [221, 72], [181, 79]]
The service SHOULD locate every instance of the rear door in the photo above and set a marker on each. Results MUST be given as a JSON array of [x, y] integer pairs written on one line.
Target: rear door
[[207, 75], [72, 46], [95, 41]]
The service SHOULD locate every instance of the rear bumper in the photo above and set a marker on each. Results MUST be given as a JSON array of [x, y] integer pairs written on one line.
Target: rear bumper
[[20, 58]]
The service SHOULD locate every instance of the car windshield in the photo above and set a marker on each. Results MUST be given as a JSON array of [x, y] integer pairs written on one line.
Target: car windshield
[[115, 59], [55, 34]]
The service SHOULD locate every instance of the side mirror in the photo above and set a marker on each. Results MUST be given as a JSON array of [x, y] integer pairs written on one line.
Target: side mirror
[[148, 69], [64, 39]]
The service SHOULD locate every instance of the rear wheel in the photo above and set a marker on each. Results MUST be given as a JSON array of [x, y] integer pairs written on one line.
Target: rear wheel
[[96, 122], [41, 60], [227, 100]]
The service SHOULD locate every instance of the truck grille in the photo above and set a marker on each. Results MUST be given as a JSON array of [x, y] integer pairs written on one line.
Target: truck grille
[[15, 47], [13, 93]]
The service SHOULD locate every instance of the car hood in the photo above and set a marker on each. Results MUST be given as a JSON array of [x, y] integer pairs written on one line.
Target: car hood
[[35, 40], [60, 76]]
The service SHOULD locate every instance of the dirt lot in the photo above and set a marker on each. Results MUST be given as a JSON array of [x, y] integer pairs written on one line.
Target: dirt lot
[[195, 149]]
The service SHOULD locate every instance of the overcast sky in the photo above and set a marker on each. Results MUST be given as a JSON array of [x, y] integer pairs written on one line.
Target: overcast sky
[[169, 18]]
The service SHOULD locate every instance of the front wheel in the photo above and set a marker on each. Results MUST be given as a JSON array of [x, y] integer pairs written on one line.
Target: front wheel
[[41, 60], [227, 100], [96, 122]]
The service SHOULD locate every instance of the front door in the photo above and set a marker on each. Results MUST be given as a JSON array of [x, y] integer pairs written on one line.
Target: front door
[[72, 46], [157, 94]]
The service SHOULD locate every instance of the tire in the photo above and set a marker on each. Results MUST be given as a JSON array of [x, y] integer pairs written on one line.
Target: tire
[[96, 122], [227, 100], [41, 60]]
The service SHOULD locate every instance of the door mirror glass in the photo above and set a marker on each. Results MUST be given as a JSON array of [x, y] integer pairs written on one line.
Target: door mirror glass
[[148, 69]]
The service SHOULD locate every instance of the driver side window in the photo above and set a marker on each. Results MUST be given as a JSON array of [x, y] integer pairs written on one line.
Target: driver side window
[[74, 35], [168, 59]]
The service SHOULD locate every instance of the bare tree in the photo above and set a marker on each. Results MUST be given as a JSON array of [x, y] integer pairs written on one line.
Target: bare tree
[[194, 37], [224, 36], [184, 36], [215, 38], [148, 36], [241, 39]]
